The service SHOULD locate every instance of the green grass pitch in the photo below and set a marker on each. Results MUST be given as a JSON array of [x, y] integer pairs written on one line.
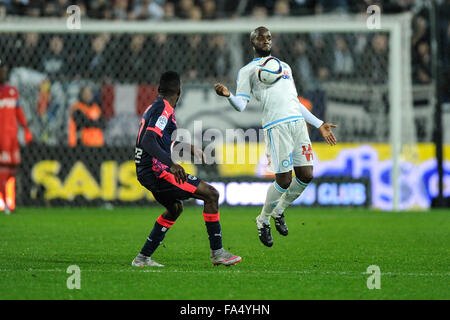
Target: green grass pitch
[[325, 255]]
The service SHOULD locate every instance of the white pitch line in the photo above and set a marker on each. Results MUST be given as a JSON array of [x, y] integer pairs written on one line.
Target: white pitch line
[[299, 272]]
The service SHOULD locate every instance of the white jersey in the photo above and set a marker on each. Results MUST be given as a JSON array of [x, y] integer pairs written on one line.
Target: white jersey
[[279, 101]]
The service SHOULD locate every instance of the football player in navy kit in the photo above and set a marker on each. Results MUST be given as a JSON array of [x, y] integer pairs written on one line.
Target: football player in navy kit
[[167, 180]]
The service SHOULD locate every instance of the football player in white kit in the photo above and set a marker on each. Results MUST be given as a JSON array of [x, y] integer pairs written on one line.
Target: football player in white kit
[[286, 135]]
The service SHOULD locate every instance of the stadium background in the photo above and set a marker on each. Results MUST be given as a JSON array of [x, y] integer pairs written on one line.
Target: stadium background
[[343, 75]]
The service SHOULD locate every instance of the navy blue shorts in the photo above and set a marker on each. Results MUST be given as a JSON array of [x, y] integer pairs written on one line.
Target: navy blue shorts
[[166, 190]]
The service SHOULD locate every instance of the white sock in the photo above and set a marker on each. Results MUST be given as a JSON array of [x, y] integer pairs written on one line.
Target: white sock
[[293, 192], [273, 196]]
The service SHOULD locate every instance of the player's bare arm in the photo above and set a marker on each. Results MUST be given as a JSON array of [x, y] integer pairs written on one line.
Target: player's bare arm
[[237, 103], [152, 147], [197, 153], [222, 90], [327, 133]]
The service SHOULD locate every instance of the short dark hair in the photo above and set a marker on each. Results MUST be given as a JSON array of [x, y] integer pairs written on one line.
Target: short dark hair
[[257, 31], [169, 83]]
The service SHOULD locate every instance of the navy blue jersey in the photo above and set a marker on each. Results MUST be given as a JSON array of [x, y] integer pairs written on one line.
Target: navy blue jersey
[[159, 118]]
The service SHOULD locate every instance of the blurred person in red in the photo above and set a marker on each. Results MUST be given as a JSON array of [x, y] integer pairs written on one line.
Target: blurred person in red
[[10, 113]]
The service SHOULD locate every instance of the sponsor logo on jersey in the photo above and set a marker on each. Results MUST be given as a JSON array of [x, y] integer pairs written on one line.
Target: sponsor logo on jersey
[[307, 152], [8, 103], [286, 75]]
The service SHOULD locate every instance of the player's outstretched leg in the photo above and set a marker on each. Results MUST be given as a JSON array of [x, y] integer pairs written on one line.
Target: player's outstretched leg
[[303, 176], [210, 196], [162, 225]]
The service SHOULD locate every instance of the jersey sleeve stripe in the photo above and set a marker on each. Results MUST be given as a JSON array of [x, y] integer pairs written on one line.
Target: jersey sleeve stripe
[[157, 130], [243, 95], [140, 129]]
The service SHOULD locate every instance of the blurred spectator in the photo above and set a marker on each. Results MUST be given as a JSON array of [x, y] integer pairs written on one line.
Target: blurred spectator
[[3, 11], [194, 14], [420, 31], [282, 8], [266, 4], [344, 65], [138, 58], [196, 52], [422, 64], [54, 61], [231, 9], [81, 5], [397, 6], [218, 66], [259, 13], [378, 59], [86, 122], [446, 44], [96, 61], [304, 71], [99, 9], [147, 9], [323, 56], [302, 7], [161, 46], [327, 6], [282, 43], [184, 8], [31, 51], [17, 7], [209, 9], [55, 8], [120, 10], [169, 10]]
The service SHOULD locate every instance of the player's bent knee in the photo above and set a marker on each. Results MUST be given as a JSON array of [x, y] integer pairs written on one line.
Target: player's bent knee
[[207, 193], [285, 182], [306, 178], [213, 195], [284, 179], [304, 174], [179, 208], [174, 211]]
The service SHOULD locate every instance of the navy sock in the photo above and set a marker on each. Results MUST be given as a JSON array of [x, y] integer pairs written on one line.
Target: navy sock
[[156, 236], [214, 231]]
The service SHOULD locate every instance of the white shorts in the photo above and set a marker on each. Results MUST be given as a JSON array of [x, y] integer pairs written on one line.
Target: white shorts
[[288, 145]]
